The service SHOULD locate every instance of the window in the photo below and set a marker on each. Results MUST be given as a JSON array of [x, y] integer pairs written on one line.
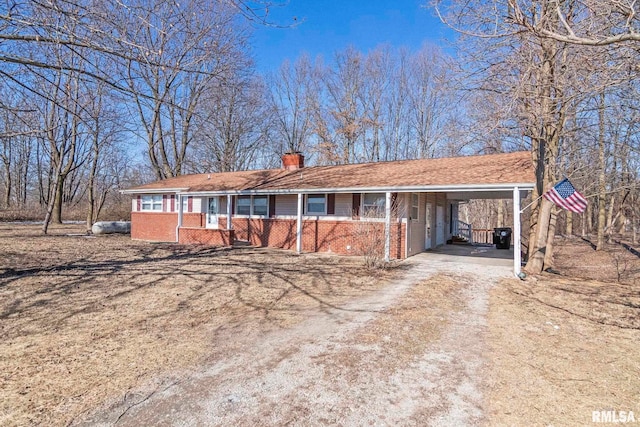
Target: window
[[415, 202], [316, 204], [373, 205], [152, 202], [260, 205], [252, 205], [243, 205], [185, 203]]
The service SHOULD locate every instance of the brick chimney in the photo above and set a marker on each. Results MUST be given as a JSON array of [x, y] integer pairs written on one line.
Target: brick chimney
[[292, 161]]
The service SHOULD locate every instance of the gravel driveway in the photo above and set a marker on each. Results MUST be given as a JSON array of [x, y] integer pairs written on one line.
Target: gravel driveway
[[342, 366]]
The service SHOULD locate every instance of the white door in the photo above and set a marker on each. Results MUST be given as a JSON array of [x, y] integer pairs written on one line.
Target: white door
[[427, 232], [439, 225], [213, 209]]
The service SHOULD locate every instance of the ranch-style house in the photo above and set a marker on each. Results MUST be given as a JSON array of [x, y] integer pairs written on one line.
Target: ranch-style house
[[413, 204]]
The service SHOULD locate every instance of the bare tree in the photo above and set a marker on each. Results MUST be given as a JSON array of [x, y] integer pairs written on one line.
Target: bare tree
[[292, 99], [232, 125]]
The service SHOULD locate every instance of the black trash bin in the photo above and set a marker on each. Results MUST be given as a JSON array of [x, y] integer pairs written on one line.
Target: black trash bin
[[502, 237]]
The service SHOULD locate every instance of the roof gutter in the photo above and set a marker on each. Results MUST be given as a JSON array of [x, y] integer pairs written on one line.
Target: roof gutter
[[154, 190], [403, 189]]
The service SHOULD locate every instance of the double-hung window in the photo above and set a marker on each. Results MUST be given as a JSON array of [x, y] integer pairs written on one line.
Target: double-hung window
[[152, 202], [373, 205], [415, 204], [252, 205], [316, 204], [185, 203], [260, 205]]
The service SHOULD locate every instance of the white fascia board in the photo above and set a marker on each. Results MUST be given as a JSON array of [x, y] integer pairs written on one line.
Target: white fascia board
[[405, 189], [155, 191]]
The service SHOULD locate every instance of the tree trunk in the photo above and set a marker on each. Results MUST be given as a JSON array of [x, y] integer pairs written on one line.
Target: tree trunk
[[551, 234], [57, 202], [535, 264], [608, 228], [569, 224], [7, 191], [602, 184]]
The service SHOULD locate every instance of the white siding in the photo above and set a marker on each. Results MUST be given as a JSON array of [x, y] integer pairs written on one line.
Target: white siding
[[416, 228], [199, 206], [134, 204], [222, 205], [344, 204], [287, 204]]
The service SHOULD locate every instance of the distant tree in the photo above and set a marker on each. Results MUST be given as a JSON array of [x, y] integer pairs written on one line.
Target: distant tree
[[291, 97], [232, 125]]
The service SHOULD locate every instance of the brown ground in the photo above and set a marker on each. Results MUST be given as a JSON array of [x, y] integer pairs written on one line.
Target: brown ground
[[565, 345], [84, 319], [136, 330]]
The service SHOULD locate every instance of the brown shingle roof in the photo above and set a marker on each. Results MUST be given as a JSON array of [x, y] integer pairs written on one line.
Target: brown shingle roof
[[486, 170]]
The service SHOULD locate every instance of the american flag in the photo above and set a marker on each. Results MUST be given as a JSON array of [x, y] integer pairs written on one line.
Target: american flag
[[564, 195]]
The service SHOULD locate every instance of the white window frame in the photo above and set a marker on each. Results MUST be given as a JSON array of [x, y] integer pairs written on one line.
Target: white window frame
[[306, 204], [415, 206], [364, 207], [185, 204], [252, 206], [154, 203]]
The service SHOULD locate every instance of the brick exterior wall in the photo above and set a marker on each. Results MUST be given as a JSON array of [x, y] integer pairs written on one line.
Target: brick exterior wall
[[154, 226], [340, 237], [206, 236], [193, 220]]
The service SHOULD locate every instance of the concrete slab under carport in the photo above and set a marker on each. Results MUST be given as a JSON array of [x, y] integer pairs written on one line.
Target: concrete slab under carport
[[475, 254]]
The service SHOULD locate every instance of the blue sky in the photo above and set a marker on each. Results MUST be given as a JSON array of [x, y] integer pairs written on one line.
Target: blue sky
[[329, 26]]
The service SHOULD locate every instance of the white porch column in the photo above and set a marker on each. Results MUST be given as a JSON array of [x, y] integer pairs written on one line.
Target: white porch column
[[387, 227], [517, 255], [179, 218], [229, 209], [299, 224]]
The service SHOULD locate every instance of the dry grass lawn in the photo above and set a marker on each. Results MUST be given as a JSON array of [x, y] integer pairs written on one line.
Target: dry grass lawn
[[563, 346], [87, 320]]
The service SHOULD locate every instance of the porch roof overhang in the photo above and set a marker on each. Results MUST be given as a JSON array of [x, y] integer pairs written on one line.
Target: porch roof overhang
[[459, 192], [154, 191]]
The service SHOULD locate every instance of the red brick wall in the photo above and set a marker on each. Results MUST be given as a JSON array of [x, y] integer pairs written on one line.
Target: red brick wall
[[342, 237], [206, 236], [154, 226], [193, 219]]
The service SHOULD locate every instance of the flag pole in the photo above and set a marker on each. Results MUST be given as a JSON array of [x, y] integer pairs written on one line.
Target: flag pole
[[525, 208]]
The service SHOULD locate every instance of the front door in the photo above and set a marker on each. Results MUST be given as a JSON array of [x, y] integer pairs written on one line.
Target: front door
[[439, 225], [427, 232], [213, 210]]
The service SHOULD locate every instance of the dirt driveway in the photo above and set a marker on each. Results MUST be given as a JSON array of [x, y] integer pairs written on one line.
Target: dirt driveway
[[407, 354]]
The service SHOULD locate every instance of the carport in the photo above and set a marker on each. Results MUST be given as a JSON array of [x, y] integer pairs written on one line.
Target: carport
[[489, 254]]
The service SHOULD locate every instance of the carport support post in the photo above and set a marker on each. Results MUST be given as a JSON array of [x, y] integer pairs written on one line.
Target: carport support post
[[517, 254], [299, 224], [229, 208], [179, 218], [387, 227]]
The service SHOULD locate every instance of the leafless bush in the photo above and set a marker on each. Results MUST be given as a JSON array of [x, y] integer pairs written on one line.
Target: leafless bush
[[369, 236]]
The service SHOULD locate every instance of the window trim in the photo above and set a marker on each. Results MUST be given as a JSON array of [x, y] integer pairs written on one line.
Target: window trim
[[415, 204], [306, 204], [185, 204], [155, 203], [251, 199], [364, 210], [266, 206]]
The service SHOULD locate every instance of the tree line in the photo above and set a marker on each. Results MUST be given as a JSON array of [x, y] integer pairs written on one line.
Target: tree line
[[96, 96]]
